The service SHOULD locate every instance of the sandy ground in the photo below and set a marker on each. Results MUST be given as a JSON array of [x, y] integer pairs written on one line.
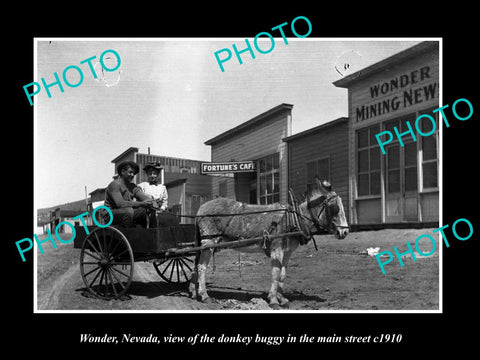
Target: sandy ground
[[339, 276]]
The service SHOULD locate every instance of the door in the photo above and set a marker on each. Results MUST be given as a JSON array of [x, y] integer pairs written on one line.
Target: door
[[401, 193], [246, 187]]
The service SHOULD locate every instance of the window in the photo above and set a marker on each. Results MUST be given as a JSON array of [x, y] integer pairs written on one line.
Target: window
[[368, 161], [319, 168], [269, 178], [393, 169], [429, 146], [410, 160]]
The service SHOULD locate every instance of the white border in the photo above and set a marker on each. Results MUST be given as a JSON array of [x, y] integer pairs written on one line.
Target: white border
[[277, 312]]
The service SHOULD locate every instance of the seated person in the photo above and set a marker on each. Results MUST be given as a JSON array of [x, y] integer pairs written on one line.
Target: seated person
[[126, 200], [158, 193]]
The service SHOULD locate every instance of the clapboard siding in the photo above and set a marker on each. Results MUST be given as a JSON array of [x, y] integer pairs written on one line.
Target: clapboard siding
[[420, 65], [361, 92], [254, 142], [327, 141]]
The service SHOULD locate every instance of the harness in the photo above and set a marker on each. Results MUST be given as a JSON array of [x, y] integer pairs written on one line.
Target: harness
[[294, 220], [324, 202]]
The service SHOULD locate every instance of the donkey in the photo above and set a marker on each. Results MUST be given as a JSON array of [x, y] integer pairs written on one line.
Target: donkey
[[322, 212]]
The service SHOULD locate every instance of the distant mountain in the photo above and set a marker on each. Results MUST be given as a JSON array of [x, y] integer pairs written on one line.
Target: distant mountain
[[74, 205]]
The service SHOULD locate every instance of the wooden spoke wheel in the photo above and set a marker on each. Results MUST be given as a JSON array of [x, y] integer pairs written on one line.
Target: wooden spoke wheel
[[106, 263], [175, 270]]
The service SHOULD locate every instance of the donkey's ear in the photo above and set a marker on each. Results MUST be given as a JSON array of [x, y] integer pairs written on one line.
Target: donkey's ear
[[325, 184]]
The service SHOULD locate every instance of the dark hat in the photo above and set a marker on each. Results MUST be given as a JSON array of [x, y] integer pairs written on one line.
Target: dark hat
[[153, 165], [123, 164]]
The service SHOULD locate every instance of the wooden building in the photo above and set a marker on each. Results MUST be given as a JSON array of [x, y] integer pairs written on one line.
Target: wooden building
[[170, 164], [320, 151], [259, 140], [187, 193], [400, 186], [50, 218]]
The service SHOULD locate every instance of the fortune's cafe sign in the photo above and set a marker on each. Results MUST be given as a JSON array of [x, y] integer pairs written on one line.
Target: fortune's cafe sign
[[402, 91], [228, 167]]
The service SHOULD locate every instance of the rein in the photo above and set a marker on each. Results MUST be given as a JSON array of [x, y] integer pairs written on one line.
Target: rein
[[298, 220]]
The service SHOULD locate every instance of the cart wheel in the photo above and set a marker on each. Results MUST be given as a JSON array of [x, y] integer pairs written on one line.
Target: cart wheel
[[106, 263], [175, 270]]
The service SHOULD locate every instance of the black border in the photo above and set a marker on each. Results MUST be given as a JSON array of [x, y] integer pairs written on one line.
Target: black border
[[48, 332]]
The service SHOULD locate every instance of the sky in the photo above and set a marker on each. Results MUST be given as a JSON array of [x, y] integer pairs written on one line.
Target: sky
[[170, 95]]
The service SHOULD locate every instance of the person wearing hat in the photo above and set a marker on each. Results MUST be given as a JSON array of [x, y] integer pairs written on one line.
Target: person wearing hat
[[155, 191], [126, 200]]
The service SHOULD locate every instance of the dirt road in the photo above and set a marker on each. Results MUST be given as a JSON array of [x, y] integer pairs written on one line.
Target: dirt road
[[339, 276]]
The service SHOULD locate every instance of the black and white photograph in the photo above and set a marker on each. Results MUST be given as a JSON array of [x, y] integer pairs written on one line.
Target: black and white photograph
[[236, 177]]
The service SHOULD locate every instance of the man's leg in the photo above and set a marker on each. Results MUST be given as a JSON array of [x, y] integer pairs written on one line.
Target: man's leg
[[123, 217]]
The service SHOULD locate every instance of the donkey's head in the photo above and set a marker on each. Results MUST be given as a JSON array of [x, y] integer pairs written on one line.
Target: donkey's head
[[323, 210]]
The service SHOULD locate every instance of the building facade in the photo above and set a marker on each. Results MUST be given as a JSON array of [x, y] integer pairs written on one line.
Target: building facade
[[259, 140], [50, 218], [401, 185], [171, 165], [187, 193]]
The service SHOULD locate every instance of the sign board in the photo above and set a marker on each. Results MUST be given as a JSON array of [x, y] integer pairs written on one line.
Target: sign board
[[400, 91], [228, 167]]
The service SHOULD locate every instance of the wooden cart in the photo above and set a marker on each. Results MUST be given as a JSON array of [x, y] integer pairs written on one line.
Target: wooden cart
[[108, 254]]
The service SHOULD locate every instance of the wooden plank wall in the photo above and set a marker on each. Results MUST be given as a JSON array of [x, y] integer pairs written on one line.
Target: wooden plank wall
[[360, 94], [252, 144], [331, 141]]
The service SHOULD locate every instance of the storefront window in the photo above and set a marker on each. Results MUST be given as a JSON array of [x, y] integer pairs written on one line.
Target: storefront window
[[269, 178], [429, 151], [368, 161], [410, 150], [393, 169]]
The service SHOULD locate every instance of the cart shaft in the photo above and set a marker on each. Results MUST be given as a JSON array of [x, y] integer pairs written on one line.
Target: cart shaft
[[230, 244]]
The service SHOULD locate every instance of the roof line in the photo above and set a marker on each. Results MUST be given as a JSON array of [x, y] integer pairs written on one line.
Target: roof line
[[171, 157], [125, 152], [249, 123], [391, 60], [316, 128]]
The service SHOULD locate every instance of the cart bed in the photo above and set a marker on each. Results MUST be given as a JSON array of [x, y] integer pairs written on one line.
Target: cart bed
[[144, 241]]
